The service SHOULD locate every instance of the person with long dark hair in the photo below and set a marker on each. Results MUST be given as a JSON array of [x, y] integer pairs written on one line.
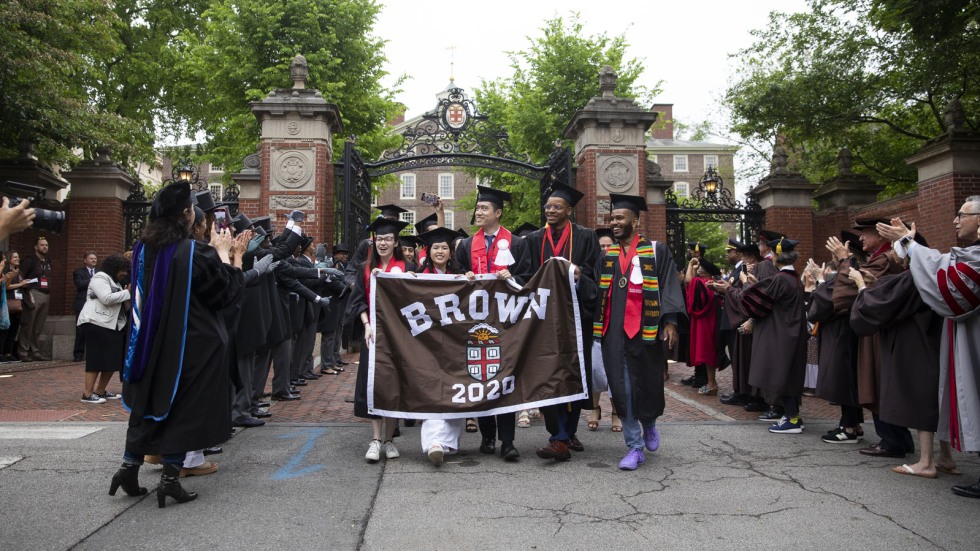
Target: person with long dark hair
[[385, 256], [175, 378], [102, 321]]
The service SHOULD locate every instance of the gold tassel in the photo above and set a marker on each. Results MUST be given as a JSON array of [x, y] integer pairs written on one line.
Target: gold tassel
[[779, 246]]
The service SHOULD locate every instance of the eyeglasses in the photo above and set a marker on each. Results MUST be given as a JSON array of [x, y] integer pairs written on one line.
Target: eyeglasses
[[554, 207], [385, 239], [962, 214]]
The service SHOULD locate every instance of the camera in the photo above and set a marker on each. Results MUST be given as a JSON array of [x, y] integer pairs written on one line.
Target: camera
[[430, 199], [44, 219]]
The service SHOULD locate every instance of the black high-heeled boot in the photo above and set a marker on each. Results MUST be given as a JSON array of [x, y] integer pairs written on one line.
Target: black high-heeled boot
[[170, 486], [128, 477]]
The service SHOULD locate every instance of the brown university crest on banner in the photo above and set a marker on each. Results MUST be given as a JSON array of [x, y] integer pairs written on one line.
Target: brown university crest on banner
[[446, 347]]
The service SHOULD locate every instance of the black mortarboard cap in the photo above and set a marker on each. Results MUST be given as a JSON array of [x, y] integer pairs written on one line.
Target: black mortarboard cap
[[869, 223], [205, 200], [769, 235], [710, 267], [409, 241], [604, 232], [259, 230], [525, 229], [634, 203], [463, 232], [696, 246], [566, 192], [439, 235], [734, 244], [751, 249], [340, 248], [491, 195], [853, 241], [782, 245], [382, 225], [263, 222], [422, 225], [390, 210], [241, 222], [172, 199]]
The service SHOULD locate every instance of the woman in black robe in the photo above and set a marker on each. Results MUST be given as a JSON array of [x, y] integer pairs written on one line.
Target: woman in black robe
[[175, 377]]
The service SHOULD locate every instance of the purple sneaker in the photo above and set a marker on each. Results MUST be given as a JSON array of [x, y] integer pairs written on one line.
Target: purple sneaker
[[632, 460], [651, 438]]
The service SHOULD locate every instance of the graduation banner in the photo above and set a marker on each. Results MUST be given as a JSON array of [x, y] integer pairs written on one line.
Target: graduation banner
[[446, 347]]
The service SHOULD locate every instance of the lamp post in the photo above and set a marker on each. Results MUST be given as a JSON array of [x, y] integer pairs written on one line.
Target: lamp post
[[711, 182], [185, 171]]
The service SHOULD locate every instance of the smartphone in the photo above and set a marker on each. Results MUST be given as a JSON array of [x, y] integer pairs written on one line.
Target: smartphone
[[430, 198], [222, 220]]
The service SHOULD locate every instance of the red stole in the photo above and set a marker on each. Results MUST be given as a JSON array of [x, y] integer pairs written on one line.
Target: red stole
[[557, 250], [634, 292], [481, 260]]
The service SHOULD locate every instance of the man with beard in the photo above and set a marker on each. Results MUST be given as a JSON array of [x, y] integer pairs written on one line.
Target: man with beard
[[639, 295], [579, 245]]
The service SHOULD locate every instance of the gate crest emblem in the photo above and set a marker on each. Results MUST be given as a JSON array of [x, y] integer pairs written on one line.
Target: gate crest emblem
[[456, 115], [483, 352]]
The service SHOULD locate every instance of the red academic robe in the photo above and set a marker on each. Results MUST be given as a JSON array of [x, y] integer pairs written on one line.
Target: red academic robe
[[702, 308]]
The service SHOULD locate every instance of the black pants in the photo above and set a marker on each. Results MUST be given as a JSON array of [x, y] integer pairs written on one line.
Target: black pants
[[791, 406], [79, 351], [502, 427], [893, 437], [851, 416]]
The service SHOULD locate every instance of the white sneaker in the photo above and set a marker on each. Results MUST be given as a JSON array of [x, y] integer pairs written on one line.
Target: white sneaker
[[374, 452], [391, 452], [435, 454]]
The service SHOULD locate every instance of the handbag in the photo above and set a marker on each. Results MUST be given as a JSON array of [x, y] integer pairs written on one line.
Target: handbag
[[14, 306]]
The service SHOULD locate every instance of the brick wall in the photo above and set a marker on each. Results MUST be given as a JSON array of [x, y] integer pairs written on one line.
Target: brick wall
[[427, 181], [797, 223], [320, 224]]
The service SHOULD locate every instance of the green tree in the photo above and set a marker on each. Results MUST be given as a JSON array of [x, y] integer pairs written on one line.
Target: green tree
[[245, 50], [872, 75], [47, 72], [712, 235], [554, 77]]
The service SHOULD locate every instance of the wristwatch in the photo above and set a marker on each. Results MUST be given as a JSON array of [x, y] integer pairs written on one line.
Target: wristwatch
[[905, 240]]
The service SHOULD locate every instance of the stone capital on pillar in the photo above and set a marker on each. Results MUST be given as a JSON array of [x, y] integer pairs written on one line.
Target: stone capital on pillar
[[610, 148], [846, 189], [949, 172], [293, 169]]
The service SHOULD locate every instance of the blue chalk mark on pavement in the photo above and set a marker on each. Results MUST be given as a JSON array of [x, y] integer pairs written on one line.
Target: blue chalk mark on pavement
[[292, 468]]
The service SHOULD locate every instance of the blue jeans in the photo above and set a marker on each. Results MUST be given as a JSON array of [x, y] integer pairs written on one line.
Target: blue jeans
[[632, 427]]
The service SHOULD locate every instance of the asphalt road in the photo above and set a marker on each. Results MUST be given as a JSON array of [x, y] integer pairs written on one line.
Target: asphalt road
[[713, 485]]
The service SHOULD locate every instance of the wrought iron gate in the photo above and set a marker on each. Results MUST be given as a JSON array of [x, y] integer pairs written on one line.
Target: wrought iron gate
[[703, 206], [353, 193]]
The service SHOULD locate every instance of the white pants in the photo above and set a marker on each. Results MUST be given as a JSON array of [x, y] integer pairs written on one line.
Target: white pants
[[194, 459], [445, 432]]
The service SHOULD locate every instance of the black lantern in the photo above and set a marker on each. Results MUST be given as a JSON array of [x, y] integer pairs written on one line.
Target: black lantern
[[711, 182]]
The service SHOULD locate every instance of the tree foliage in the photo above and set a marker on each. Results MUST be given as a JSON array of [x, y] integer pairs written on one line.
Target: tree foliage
[[245, 50], [872, 75], [554, 77]]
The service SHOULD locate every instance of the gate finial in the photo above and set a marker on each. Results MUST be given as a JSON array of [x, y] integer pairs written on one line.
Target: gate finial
[[299, 70]]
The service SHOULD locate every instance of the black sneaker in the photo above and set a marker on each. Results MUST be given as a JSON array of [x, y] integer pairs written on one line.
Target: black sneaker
[[110, 395], [840, 436], [771, 416], [93, 399]]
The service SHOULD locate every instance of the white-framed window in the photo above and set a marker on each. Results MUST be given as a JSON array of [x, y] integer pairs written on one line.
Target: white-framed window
[[682, 189], [216, 169], [711, 160], [408, 186], [408, 216], [217, 190], [680, 163], [447, 189], [450, 219]]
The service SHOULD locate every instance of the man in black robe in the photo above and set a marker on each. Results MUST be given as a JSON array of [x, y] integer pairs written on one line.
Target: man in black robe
[[639, 305], [579, 245], [175, 377], [493, 250]]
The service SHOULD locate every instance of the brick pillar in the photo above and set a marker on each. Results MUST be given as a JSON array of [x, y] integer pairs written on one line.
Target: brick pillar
[[786, 198], [837, 200], [610, 153], [949, 172], [295, 158]]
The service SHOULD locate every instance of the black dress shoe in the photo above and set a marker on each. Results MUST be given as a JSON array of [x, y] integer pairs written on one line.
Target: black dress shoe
[[756, 405], [344, 363], [699, 381], [248, 422], [294, 390], [261, 414], [338, 369], [877, 451], [488, 445], [299, 382], [285, 397], [733, 399], [687, 380], [973, 490], [263, 404], [508, 451], [312, 376], [213, 450], [575, 444]]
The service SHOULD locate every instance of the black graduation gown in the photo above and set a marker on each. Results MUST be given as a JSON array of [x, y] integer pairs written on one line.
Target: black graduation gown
[[910, 334], [646, 360], [357, 304], [585, 255], [776, 304], [197, 413], [254, 320], [331, 317], [837, 377]]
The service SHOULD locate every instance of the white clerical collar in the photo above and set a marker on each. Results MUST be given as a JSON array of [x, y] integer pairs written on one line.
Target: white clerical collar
[[789, 268]]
